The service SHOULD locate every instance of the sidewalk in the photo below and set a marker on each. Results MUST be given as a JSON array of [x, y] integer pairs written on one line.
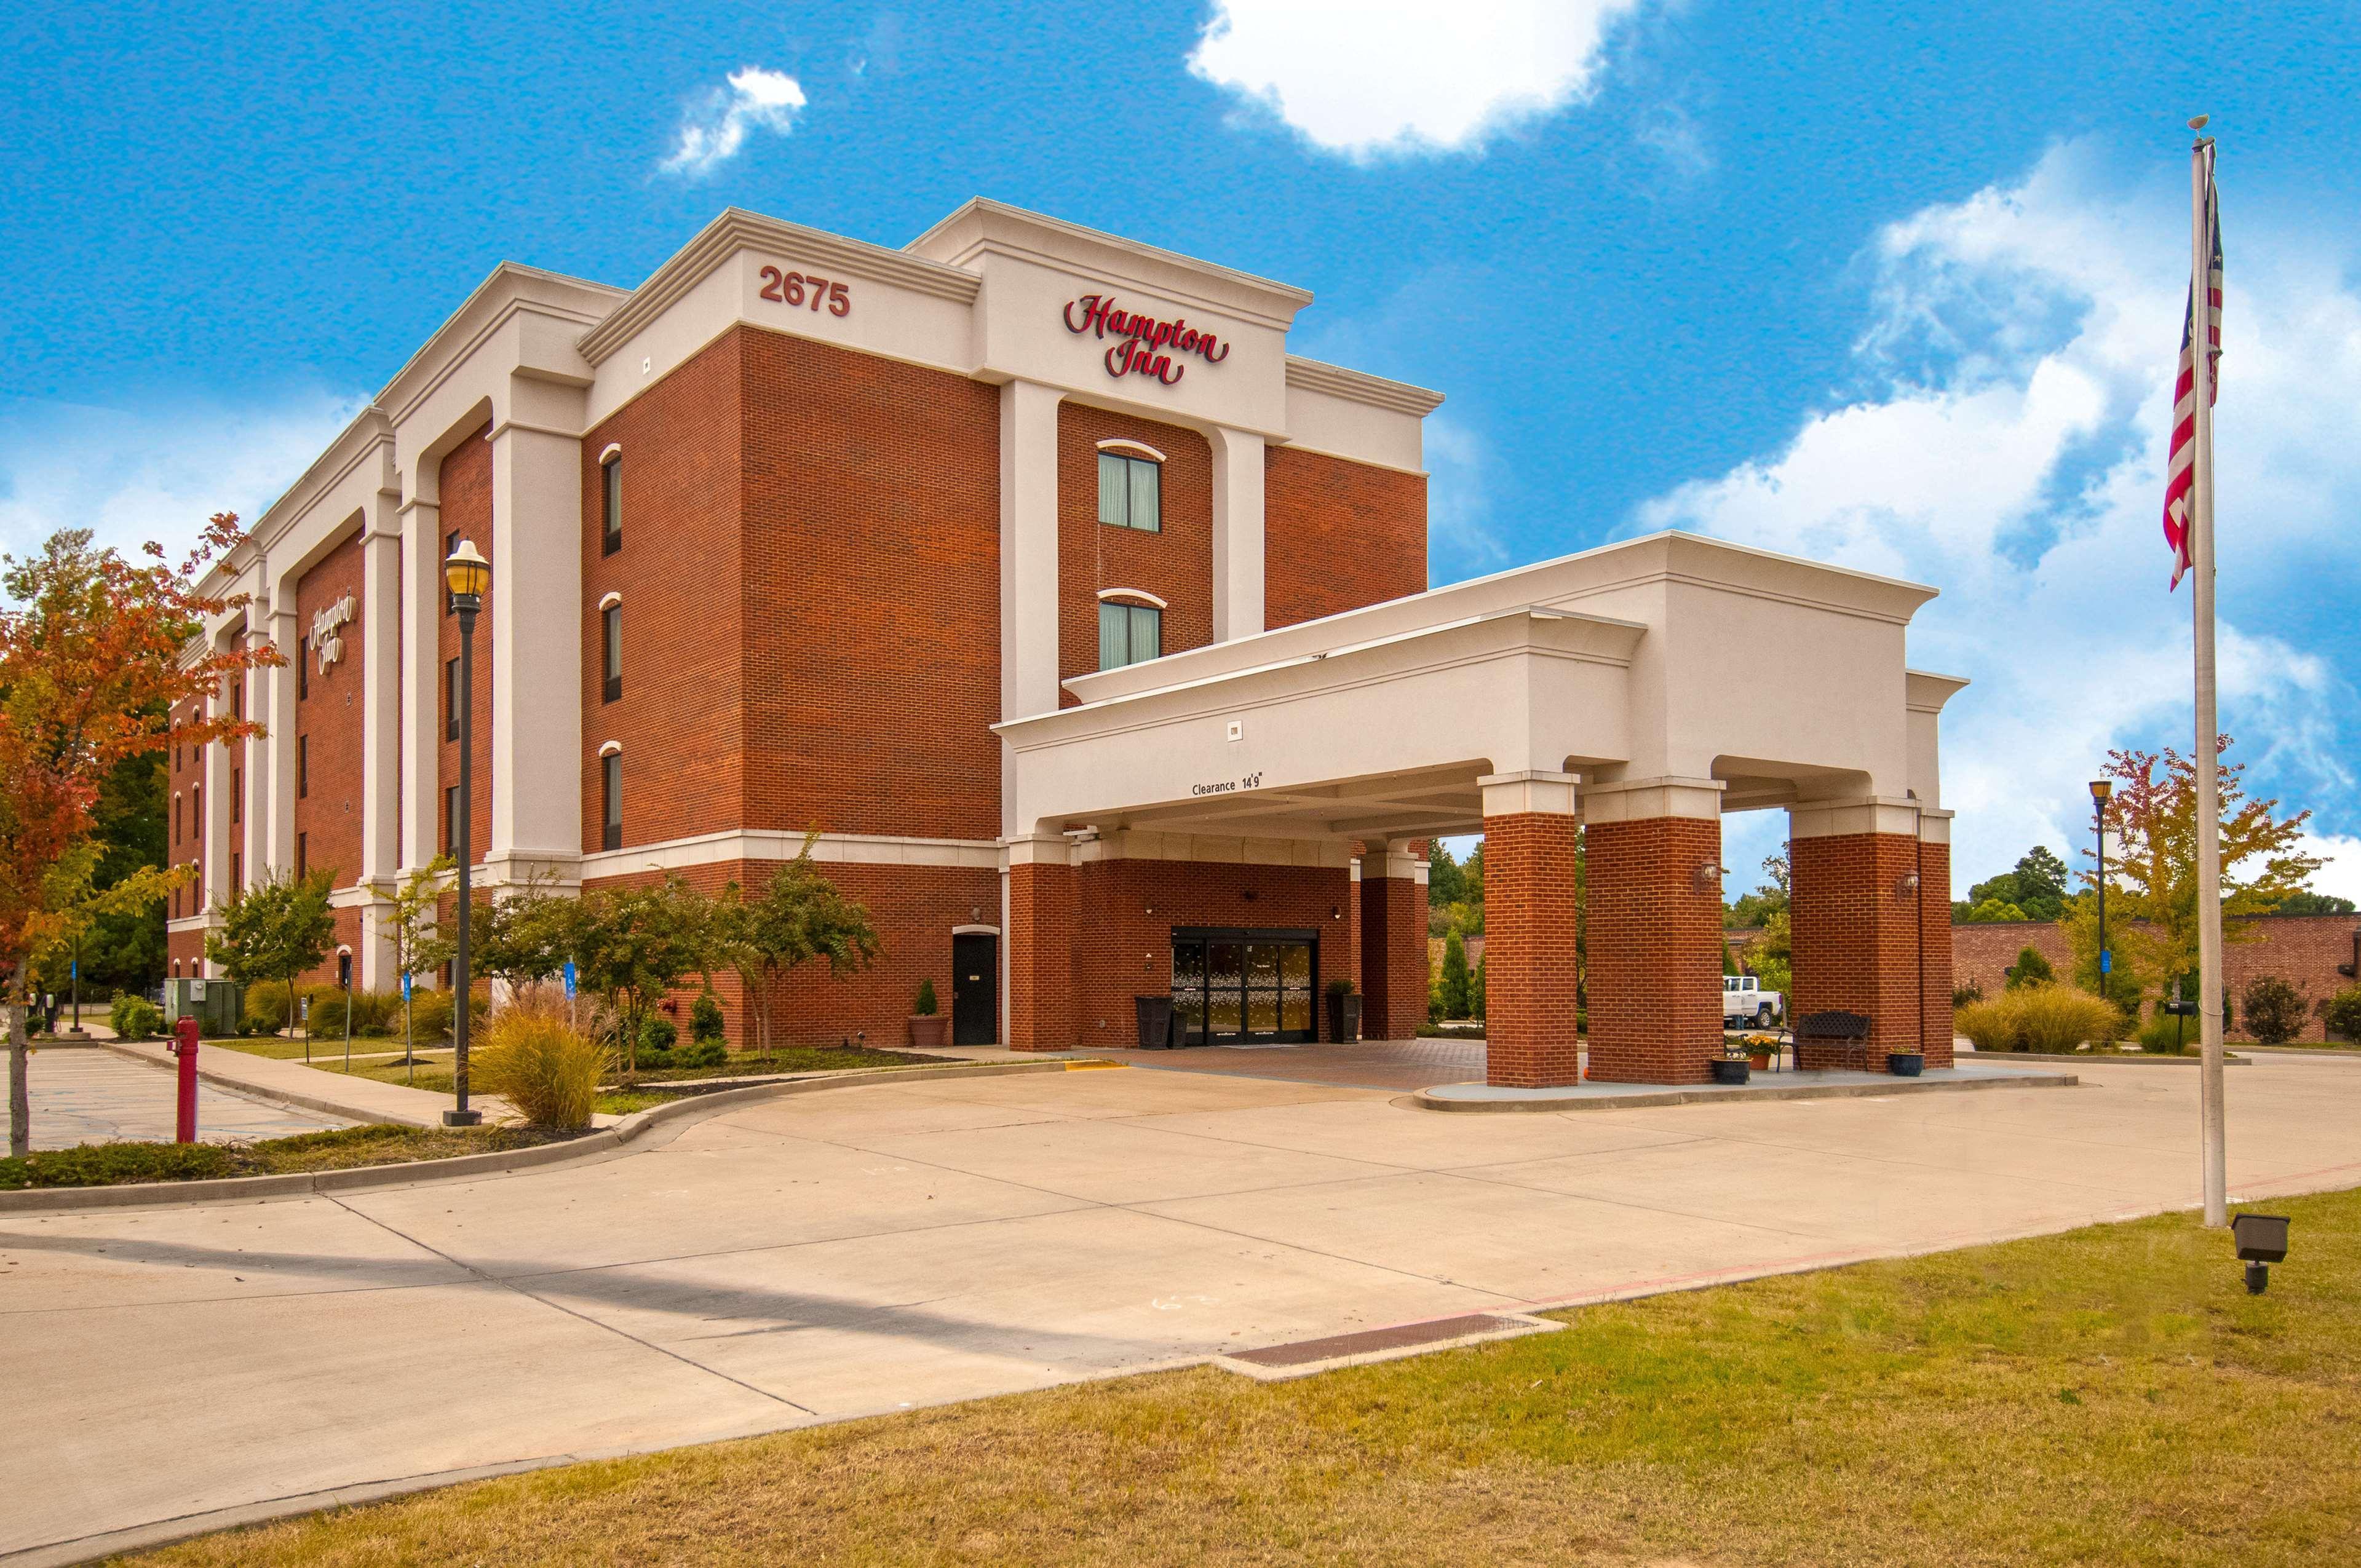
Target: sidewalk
[[292, 1083], [90, 1094]]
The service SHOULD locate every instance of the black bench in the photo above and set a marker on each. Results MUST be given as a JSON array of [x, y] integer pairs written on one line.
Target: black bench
[[1832, 1039]]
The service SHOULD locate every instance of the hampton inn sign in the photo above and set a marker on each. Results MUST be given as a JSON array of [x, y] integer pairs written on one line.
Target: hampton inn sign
[[1142, 338]]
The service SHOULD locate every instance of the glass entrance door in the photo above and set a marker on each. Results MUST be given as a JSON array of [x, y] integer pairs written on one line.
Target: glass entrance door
[[1234, 987]]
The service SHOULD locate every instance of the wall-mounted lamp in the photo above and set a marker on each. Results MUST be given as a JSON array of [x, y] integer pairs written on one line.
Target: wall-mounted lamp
[[975, 914], [1250, 896], [1150, 909], [1708, 876], [1335, 912], [1907, 886]]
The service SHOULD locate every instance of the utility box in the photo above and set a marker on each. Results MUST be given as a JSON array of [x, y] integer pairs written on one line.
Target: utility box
[[217, 1005]]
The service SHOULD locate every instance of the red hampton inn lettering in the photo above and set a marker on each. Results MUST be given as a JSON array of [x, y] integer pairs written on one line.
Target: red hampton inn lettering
[[1143, 336]]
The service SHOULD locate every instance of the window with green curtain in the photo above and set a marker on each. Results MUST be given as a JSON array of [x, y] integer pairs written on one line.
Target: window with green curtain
[[1131, 492], [1129, 635]]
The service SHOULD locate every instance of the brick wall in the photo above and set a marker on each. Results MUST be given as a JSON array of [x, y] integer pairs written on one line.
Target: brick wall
[[1857, 940], [1337, 535], [679, 717], [1125, 912], [1654, 985], [1175, 563], [1393, 956], [2303, 950], [1531, 979], [465, 487], [328, 722], [870, 595], [1040, 946]]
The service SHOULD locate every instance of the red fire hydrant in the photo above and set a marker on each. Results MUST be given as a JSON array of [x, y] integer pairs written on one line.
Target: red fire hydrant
[[186, 1049]]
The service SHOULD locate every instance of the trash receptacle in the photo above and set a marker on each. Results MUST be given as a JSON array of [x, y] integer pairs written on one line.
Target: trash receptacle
[[1155, 1022]]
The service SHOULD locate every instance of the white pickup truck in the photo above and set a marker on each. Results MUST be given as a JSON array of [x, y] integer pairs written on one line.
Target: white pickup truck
[[1744, 1002]]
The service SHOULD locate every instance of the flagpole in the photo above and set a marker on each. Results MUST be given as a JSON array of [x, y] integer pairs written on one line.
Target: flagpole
[[2209, 800]]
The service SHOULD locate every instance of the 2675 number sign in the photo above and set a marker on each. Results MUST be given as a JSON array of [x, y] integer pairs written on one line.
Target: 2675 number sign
[[796, 289]]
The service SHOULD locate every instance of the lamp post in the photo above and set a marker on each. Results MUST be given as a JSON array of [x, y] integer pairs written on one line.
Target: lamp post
[[2100, 790], [467, 574]]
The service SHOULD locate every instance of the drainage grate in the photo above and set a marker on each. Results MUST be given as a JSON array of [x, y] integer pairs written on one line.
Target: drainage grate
[[1371, 1342]]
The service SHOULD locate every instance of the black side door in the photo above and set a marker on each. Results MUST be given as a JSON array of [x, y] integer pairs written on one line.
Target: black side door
[[976, 990]]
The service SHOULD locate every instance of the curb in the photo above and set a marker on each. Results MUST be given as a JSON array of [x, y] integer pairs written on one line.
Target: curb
[[2090, 1059], [1425, 1098], [606, 1140], [319, 1102]]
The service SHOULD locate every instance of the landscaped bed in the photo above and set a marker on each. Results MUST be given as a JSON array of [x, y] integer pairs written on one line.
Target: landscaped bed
[[2110, 1396], [783, 1058], [110, 1165]]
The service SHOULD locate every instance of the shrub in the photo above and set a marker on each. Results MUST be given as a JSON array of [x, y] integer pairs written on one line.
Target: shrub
[[1990, 1026], [134, 1017], [2166, 1035], [2030, 969], [537, 1062], [372, 1010], [266, 1007], [2056, 1019], [2275, 1009], [657, 1033], [925, 1005], [704, 1018], [2341, 1013], [702, 1053], [1341, 986], [430, 1015], [1962, 995]]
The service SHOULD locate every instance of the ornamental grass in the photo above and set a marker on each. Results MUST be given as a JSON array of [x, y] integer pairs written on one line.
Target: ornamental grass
[[541, 1064], [2052, 1020]]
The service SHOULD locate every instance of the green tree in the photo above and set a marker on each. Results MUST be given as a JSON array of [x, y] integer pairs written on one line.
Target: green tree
[[1770, 898], [124, 947], [517, 934], [275, 929], [1992, 912], [2030, 969], [799, 916], [411, 922], [1475, 992], [1454, 977], [633, 944], [2307, 902], [1772, 956], [1446, 884]]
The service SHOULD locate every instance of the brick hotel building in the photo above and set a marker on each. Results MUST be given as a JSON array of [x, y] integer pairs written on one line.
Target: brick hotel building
[[1086, 627]]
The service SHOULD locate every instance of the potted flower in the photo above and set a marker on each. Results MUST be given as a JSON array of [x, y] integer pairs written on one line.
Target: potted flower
[[930, 1030], [1344, 1011], [1731, 1066], [1759, 1050], [1905, 1064]]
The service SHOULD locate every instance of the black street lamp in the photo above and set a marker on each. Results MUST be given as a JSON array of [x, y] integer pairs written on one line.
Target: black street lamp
[[2100, 790], [467, 574]]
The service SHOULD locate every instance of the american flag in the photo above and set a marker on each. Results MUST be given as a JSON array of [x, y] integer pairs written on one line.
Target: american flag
[[2180, 468]]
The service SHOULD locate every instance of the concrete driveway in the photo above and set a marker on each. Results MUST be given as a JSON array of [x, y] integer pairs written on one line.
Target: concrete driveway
[[877, 1247]]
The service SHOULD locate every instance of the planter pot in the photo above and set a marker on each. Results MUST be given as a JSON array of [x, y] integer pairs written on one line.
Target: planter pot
[[1730, 1070], [1344, 1018], [1905, 1064], [1759, 1060], [929, 1033]]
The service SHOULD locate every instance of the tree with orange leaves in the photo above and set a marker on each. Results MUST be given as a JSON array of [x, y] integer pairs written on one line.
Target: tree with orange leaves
[[2152, 874], [91, 671]]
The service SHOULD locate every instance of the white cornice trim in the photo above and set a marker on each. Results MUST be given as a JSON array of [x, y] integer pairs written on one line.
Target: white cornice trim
[[1133, 594], [1360, 387], [837, 849], [737, 229], [1119, 444], [511, 290]]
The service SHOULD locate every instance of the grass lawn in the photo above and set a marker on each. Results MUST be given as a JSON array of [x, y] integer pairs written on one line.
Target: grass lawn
[[2107, 1397], [783, 1058], [282, 1047], [109, 1165]]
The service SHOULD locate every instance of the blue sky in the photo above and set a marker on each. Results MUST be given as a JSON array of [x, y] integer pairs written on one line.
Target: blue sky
[[1895, 286]]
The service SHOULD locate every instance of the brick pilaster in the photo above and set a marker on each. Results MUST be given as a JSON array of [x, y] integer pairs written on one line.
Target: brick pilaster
[[1654, 985], [1531, 976], [1041, 939], [1862, 941], [1393, 954]]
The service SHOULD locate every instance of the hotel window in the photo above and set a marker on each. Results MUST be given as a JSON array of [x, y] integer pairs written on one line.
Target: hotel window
[[451, 820], [176, 820], [237, 871], [302, 854], [197, 813], [450, 699], [1129, 635], [1131, 492], [237, 795], [611, 625], [610, 505], [303, 669], [302, 767], [610, 801]]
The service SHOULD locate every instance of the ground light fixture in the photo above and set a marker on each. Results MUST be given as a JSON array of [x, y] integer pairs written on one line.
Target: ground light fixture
[[2262, 1242], [468, 575]]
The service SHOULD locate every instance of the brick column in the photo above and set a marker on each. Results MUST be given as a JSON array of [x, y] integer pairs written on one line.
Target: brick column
[[1864, 935], [1039, 937], [1532, 839], [1655, 939], [1393, 944]]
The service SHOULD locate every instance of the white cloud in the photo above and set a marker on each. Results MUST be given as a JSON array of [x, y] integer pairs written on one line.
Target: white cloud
[[1405, 76], [2013, 456], [713, 129], [153, 473], [2341, 877]]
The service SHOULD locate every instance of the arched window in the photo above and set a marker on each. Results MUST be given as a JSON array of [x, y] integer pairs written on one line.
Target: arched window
[[1131, 627], [611, 500], [1131, 488], [611, 795]]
